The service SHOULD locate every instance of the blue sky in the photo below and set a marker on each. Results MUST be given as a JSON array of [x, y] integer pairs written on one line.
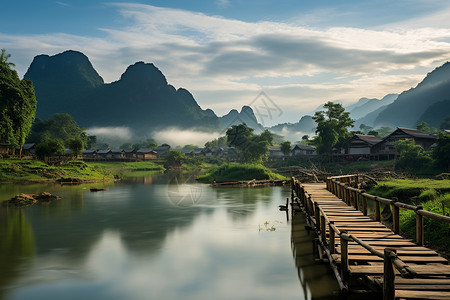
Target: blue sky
[[300, 53]]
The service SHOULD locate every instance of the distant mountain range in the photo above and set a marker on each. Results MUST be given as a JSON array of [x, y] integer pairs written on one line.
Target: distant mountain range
[[143, 100]]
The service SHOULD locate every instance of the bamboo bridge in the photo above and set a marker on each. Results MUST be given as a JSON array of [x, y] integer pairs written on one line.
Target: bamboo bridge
[[368, 258]]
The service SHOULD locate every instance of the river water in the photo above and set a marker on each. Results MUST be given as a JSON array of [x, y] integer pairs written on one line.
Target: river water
[[157, 237]]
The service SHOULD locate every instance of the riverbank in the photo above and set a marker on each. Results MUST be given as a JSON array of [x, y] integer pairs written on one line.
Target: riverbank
[[14, 170], [232, 172]]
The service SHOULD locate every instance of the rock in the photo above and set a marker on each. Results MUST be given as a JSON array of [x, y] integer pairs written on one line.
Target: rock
[[23, 200]]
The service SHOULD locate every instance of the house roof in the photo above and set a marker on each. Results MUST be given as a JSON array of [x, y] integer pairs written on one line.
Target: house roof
[[117, 151], [369, 139], [146, 150], [90, 151], [28, 146], [274, 148], [103, 151], [129, 150], [67, 151], [162, 148], [303, 147], [415, 133]]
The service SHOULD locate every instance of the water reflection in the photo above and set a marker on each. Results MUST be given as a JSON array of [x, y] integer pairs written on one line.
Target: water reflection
[[132, 242], [316, 279]]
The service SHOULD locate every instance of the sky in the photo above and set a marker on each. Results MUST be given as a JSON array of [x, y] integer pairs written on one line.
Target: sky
[[226, 52]]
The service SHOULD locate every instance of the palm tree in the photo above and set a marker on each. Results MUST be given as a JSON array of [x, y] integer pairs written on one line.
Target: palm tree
[[4, 59]]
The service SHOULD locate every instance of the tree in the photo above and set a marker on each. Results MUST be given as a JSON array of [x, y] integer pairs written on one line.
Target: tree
[[17, 104], [423, 126], [60, 126], [374, 133], [445, 124], [286, 148], [174, 159], [332, 127], [411, 156], [441, 152], [49, 147], [76, 145], [220, 142], [4, 59], [384, 131], [365, 128], [252, 147]]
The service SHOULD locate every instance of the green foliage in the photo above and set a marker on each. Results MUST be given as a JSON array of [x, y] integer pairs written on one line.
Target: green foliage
[[332, 127], [220, 142], [252, 147], [4, 59], [384, 131], [423, 126], [286, 147], [411, 156], [35, 170], [49, 147], [60, 126], [17, 104], [441, 152], [428, 194], [237, 172], [174, 159], [76, 145], [445, 124], [365, 128]]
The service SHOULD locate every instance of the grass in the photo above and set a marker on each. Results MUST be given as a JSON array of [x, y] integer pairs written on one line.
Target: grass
[[129, 169], [405, 189], [433, 195], [34, 170], [237, 172]]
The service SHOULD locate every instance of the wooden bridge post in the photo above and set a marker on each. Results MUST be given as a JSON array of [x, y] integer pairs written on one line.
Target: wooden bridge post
[[364, 202], [377, 209], [331, 233], [395, 216], [355, 197], [344, 259], [310, 206], [323, 228], [389, 275], [419, 226], [317, 215]]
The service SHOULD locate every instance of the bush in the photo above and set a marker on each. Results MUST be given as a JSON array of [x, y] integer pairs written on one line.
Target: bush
[[238, 172]]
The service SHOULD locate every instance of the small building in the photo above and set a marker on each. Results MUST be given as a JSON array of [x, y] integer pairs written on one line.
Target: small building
[[198, 151], [90, 154], [386, 146], [146, 153], [161, 150], [275, 152], [5, 148], [188, 152], [303, 150], [104, 154], [117, 154], [28, 149], [130, 153], [361, 144]]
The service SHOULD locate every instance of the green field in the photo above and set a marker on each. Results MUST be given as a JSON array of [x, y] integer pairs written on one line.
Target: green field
[[237, 172], [34, 170]]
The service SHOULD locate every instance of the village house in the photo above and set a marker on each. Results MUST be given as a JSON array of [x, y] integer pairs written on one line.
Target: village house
[[386, 148], [275, 152], [146, 153], [104, 154], [361, 144], [90, 154], [303, 150], [117, 154], [130, 153], [162, 150], [28, 149], [5, 148]]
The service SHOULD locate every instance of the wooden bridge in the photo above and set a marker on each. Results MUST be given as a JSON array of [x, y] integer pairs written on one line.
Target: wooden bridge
[[366, 256]]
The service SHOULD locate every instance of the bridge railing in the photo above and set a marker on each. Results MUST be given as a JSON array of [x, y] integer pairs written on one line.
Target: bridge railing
[[341, 187], [358, 198]]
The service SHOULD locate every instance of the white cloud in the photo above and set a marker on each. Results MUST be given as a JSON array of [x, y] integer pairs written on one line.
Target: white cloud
[[214, 57], [181, 137], [111, 132]]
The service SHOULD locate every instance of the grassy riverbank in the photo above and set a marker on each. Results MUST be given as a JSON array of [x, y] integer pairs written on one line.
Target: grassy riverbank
[[12, 170], [237, 172], [129, 169], [433, 195]]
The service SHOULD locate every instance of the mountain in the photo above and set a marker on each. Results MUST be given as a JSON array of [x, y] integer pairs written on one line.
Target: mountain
[[436, 113], [368, 119], [410, 106], [246, 115], [320, 107], [306, 125], [141, 99], [365, 106]]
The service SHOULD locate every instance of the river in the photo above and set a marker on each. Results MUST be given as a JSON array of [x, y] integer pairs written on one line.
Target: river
[[157, 237]]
